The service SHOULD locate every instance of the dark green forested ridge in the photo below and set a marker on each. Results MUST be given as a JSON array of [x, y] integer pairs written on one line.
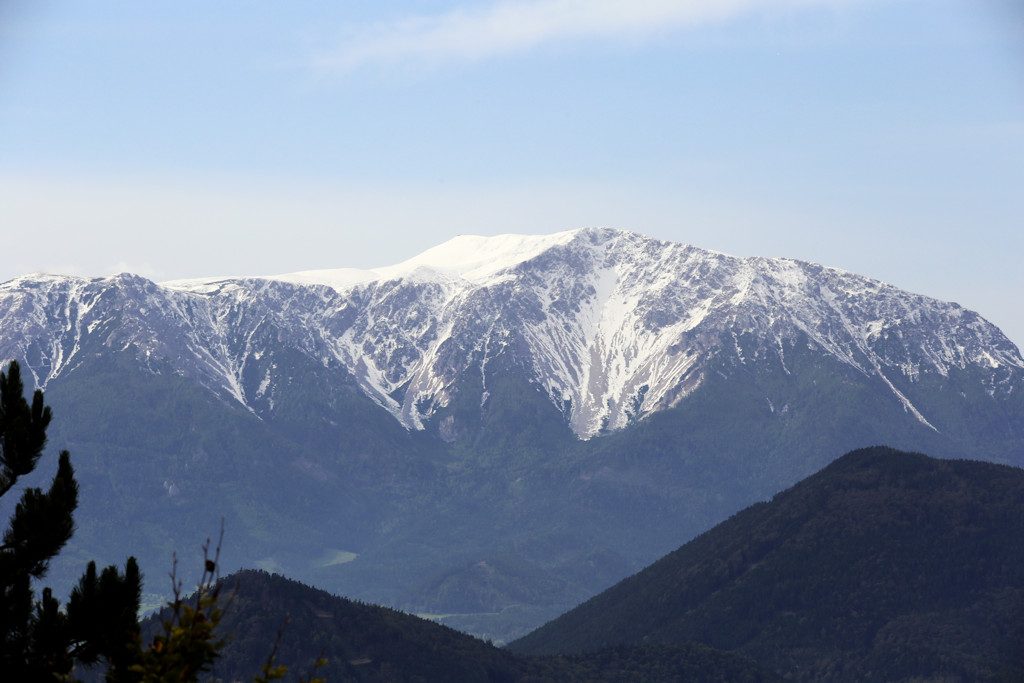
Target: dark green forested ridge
[[370, 643], [885, 565]]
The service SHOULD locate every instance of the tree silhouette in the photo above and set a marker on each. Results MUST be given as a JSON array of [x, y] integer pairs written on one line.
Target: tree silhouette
[[39, 640]]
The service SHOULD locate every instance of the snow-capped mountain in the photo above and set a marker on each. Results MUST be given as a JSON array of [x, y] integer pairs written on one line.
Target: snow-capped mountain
[[612, 325], [500, 426]]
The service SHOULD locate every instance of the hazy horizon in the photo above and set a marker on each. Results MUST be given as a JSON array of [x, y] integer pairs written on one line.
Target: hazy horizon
[[180, 140]]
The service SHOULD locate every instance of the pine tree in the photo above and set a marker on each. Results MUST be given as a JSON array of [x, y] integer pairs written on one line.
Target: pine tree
[[38, 640]]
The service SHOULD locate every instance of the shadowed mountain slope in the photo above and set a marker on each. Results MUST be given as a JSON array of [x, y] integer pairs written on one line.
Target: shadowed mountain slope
[[883, 566], [364, 642]]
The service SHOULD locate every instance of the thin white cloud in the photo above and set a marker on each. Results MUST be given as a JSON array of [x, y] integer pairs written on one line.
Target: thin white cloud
[[508, 26]]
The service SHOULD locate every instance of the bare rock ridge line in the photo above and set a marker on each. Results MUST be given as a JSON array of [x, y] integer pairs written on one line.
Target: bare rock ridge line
[[612, 325]]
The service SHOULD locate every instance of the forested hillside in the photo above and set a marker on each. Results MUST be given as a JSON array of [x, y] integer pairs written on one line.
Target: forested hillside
[[883, 566], [369, 643]]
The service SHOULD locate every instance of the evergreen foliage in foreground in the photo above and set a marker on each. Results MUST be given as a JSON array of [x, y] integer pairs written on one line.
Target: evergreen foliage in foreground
[[98, 629], [38, 640]]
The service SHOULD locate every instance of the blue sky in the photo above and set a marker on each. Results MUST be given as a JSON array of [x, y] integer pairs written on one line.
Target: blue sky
[[195, 138]]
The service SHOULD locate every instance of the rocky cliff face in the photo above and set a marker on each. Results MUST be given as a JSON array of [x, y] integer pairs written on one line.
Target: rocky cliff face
[[612, 325]]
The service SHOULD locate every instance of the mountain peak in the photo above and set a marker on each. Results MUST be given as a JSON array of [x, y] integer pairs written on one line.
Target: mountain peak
[[470, 258], [846, 531], [610, 326], [473, 258], [477, 257]]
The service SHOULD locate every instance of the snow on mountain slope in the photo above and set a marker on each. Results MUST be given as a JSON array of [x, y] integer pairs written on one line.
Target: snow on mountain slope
[[614, 325], [470, 257]]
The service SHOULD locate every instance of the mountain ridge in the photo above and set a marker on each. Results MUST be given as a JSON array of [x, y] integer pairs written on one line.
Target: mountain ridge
[[279, 408], [884, 565], [613, 325], [365, 642]]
